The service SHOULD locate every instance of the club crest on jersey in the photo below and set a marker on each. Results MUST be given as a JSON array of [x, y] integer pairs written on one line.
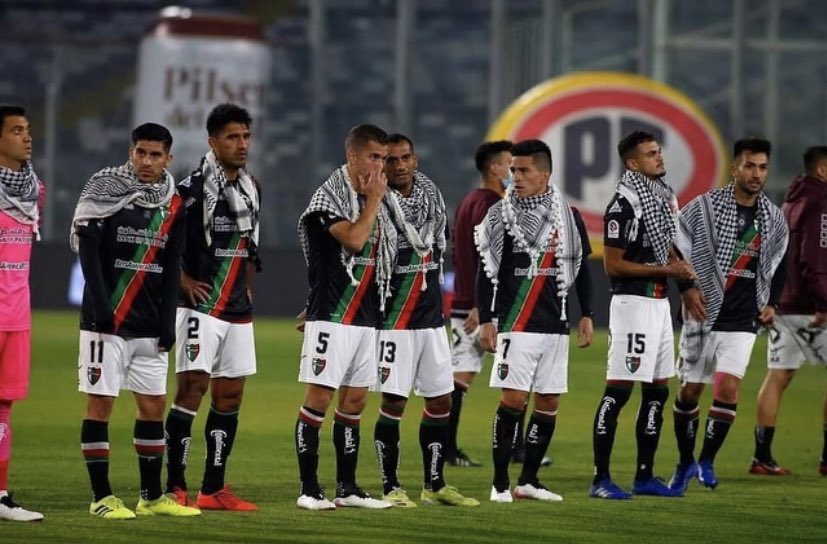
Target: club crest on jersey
[[93, 374], [384, 372], [318, 365], [502, 370], [632, 363], [193, 350]]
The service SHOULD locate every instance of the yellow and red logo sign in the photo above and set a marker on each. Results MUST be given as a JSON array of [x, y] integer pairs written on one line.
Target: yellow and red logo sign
[[583, 116]]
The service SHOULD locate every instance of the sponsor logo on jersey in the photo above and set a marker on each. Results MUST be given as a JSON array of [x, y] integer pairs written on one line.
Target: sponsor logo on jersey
[[502, 370], [632, 363], [192, 350], [582, 117], [93, 374], [613, 229], [318, 365], [616, 208]]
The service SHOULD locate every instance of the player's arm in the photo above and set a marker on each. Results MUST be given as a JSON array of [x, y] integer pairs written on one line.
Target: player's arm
[[814, 261], [354, 236], [584, 287], [170, 284], [485, 295], [472, 322], [90, 234], [191, 191]]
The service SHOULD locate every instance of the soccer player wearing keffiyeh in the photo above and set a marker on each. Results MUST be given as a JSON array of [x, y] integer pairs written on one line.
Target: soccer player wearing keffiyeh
[[349, 246], [735, 239], [639, 231], [532, 248], [214, 324], [128, 229], [20, 191], [413, 347]]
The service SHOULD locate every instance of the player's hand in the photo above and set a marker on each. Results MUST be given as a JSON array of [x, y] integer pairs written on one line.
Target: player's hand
[[374, 183], [488, 337], [472, 322], [197, 292], [302, 317], [585, 331], [767, 315], [819, 320], [694, 303], [681, 270]]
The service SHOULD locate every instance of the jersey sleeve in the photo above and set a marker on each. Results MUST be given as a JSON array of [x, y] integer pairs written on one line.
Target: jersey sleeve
[[616, 223], [814, 256]]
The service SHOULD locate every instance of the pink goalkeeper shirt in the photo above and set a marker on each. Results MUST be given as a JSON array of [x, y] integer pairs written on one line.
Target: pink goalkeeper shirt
[[15, 258]]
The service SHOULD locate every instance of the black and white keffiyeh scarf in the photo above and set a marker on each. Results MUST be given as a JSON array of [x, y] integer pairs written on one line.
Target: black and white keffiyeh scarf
[[707, 236], [242, 198], [110, 189], [421, 218], [537, 224], [654, 202], [337, 197], [19, 193]]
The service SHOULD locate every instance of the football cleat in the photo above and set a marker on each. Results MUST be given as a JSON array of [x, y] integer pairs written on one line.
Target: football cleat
[[654, 487], [448, 495], [536, 491], [607, 489], [706, 475], [768, 468], [315, 501], [682, 476], [165, 505], [399, 498], [353, 496], [181, 496], [111, 507], [224, 499], [11, 511], [461, 459], [500, 496]]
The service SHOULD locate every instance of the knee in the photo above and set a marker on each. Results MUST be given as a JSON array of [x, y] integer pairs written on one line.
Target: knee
[[546, 403], [514, 399], [227, 397], [191, 388], [99, 408], [690, 393], [393, 403], [438, 405]]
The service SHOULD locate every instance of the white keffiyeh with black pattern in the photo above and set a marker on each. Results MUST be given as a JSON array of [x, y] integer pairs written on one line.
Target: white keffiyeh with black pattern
[[707, 236], [110, 189], [537, 224], [654, 202], [337, 197], [19, 193], [242, 198]]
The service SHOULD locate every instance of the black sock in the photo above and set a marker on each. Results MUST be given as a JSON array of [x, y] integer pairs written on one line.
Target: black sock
[[686, 419], [178, 430], [94, 443], [504, 435], [386, 440], [763, 443], [537, 438], [346, 442], [219, 433], [824, 448], [605, 426], [453, 422], [519, 441], [433, 434], [148, 439], [719, 420], [648, 425], [308, 429]]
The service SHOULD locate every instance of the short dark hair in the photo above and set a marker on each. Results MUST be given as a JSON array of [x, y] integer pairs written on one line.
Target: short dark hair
[[224, 114], [489, 150], [360, 135], [538, 150], [752, 144], [9, 110], [813, 156], [153, 132], [397, 138], [627, 146]]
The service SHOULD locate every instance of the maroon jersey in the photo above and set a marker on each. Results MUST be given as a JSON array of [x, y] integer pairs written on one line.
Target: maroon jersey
[[805, 207], [470, 213]]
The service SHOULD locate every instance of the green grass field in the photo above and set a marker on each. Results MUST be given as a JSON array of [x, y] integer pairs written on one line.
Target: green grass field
[[49, 475]]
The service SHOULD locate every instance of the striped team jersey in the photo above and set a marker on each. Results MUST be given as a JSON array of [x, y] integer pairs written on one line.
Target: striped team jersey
[[739, 310], [526, 303], [616, 233], [222, 264], [411, 307], [131, 264], [333, 296]]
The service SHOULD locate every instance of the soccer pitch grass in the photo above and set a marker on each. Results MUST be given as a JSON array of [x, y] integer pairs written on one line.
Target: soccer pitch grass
[[49, 474]]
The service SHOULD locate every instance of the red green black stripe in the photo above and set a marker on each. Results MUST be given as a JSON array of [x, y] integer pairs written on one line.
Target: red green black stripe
[[409, 293], [527, 296]]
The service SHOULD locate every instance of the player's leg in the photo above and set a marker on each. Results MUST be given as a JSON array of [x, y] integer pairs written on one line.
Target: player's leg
[[686, 416], [386, 440], [15, 355], [823, 465], [767, 404], [466, 356]]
